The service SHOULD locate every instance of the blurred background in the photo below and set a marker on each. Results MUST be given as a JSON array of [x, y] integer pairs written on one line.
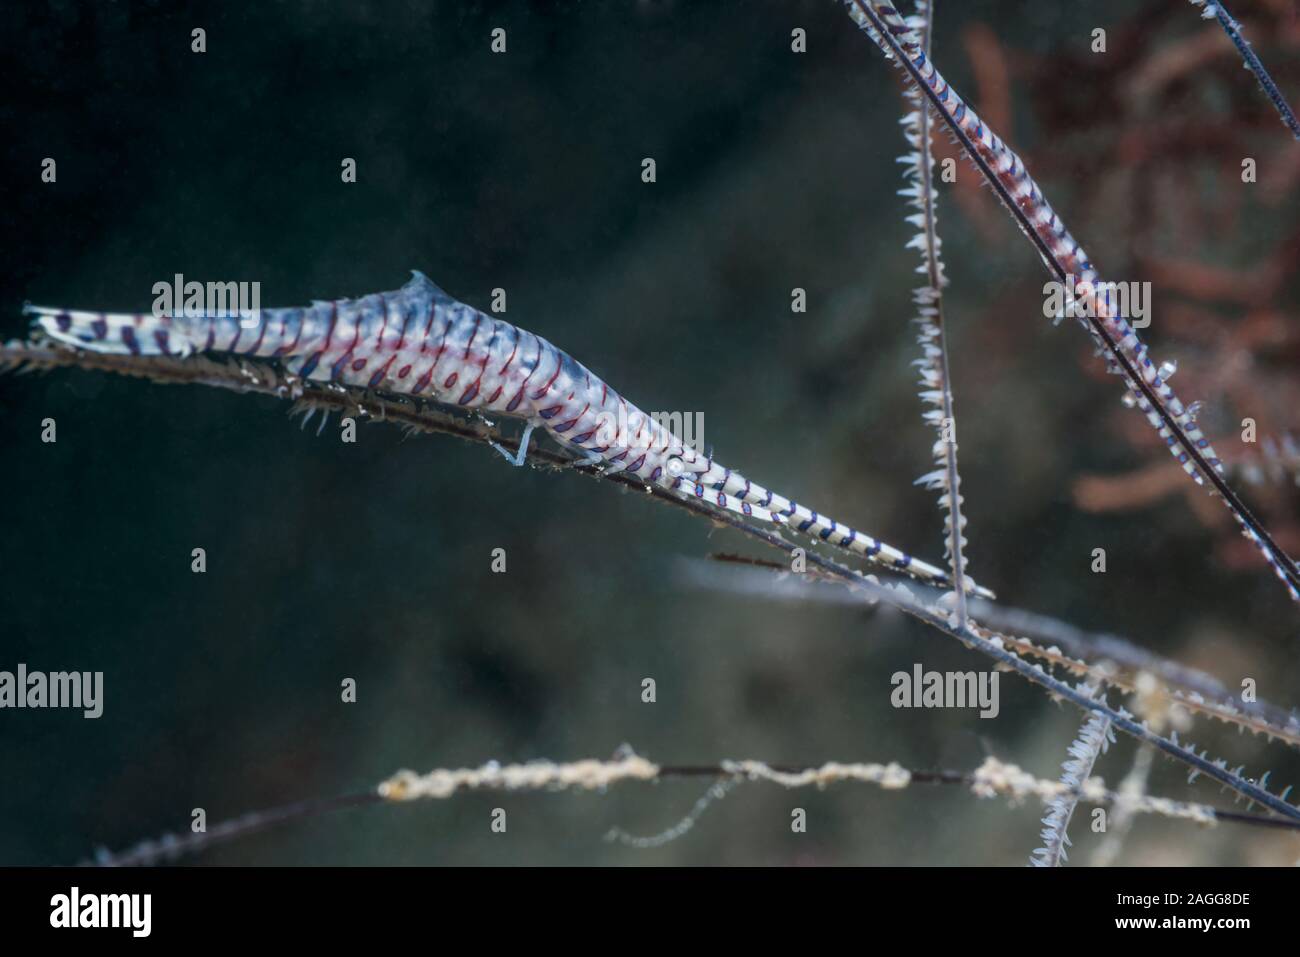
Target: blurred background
[[522, 171]]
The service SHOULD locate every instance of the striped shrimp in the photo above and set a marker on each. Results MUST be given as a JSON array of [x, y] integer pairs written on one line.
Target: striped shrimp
[[419, 341]]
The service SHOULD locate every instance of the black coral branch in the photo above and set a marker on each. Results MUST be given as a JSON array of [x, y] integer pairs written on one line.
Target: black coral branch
[[936, 381]]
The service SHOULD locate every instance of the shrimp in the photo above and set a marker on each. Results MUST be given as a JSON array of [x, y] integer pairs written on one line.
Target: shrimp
[[419, 341]]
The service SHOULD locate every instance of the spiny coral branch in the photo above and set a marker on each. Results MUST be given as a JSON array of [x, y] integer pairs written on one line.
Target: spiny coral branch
[[1156, 695], [1217, 11], [1094, 738], [997, 647], [1195, 684], [1164, 686], [936, 381], [1117, 342]]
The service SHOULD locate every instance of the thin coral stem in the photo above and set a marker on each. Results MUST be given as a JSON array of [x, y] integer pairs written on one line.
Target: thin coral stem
[[1217, 11], [936, 379], [1094, 737]]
